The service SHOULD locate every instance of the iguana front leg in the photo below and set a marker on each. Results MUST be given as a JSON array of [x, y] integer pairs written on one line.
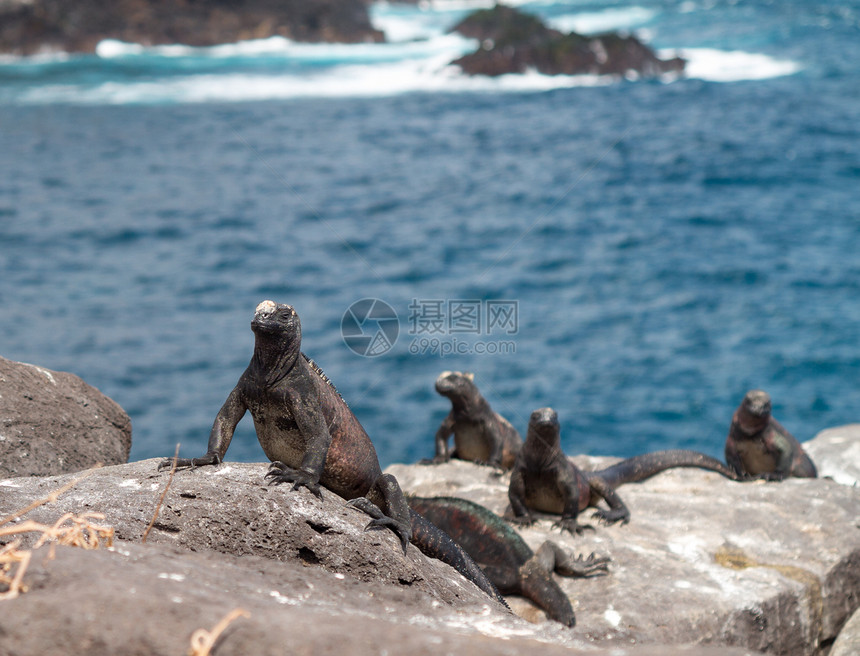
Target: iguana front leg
[[568, 487], [783, 455], [497, 447], [537, 584], [441, 441], [517, 497], [220, 436], [617, 510], [305, 409]]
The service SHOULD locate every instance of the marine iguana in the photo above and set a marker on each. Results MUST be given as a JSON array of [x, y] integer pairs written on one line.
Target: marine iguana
[[759, 447], [313, 438], [544, 479], [480, 434], [505, 557]]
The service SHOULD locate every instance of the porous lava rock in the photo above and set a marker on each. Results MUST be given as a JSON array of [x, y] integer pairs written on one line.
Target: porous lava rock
[[768, 566], [309, 577], [53, 422]]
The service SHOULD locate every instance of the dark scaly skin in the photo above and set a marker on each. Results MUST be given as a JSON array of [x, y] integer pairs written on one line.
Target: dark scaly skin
[[505, 557], [480, 434], [759, 447], [310, 434], [544, 479]]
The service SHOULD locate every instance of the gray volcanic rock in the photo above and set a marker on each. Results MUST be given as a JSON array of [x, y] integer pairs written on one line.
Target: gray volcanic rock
[[836, 453], [147, 600], [313, 581], [773, 567], [28, 27], [53, 422], [231, 509], [848, 642], [514, 42]]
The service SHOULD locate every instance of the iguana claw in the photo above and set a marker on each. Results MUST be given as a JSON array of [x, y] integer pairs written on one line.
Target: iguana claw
[[380, 519], [280, 473], [570, 525]]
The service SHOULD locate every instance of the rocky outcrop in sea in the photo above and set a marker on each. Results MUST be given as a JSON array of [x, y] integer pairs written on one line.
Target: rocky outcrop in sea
[[515, 42], [31, 26]]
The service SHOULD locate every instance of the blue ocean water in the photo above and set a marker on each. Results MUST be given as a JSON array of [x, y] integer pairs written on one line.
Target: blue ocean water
[[666, 245]]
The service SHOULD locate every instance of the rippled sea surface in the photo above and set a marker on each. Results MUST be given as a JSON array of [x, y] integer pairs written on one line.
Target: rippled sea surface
[[668, 244]]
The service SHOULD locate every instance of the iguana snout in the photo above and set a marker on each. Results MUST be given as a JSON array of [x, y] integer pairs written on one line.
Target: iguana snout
[[275, 317], [455, 382], [755, 411], [544, 420]]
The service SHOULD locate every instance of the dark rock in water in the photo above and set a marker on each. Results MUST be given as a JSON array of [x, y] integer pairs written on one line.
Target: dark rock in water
[[30, 27], [514, 42], [52, 422]]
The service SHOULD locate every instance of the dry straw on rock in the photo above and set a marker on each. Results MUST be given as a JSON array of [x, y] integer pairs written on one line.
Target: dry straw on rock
[[69, 530]]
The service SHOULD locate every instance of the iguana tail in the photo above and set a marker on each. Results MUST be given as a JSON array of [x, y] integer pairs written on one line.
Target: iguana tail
[[435, 543], [647, 465]]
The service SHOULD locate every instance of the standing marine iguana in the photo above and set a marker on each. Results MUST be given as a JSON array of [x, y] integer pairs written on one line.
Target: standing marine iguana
[[480, 434], [505, 557], [758, 446], [544, 479], [313, 438]]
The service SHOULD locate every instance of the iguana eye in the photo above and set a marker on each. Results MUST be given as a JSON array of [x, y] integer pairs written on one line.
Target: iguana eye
[[266, 307]]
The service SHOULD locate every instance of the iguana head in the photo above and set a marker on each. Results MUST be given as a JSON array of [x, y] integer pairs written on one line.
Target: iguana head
[[543, 429], [754, 411], [455, 383], [271, 317], [278, 333]]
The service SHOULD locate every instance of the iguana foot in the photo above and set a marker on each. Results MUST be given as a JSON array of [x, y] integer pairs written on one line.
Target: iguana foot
[[498, 470], [521, 520], [436, 460], [380, 519], [281, 473], [185, 463], [570, 525], [553, 558], [613, 515], [591, 566]]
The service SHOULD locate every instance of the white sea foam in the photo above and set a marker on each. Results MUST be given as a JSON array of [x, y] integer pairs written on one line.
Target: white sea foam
[[402, 28], [284, 48], [281, 48], [431, 74], [622, 18], [732, 66], [409, 24]]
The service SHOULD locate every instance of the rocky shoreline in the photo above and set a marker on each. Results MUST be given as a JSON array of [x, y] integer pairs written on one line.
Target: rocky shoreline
[[36, 26], [706, 565], [511, 41]]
